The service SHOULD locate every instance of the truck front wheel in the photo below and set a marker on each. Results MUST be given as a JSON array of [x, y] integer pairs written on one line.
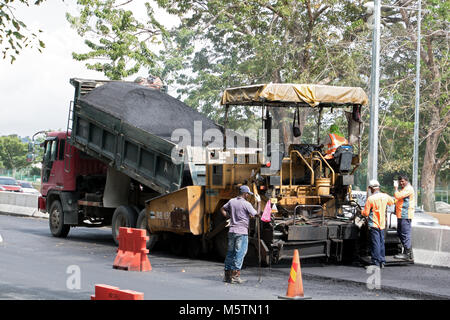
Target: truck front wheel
[[124, 216], [56, 220]]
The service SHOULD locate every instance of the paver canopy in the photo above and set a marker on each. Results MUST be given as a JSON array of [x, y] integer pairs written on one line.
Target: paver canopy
[[303, 94]]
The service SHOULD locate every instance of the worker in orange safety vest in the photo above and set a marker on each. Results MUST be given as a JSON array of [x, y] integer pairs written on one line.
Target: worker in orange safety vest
[[333, 141], [404, 210], [375, 211]]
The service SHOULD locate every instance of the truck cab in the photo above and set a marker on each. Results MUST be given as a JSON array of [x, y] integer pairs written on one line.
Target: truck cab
[[67, 176]]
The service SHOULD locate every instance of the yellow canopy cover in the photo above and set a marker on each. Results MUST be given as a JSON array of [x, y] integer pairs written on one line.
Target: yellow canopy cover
[[312, 94]]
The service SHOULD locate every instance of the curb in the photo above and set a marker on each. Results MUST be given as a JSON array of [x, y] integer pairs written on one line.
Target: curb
[[36, 214], [432, 258], [390, 289], [413, 293]]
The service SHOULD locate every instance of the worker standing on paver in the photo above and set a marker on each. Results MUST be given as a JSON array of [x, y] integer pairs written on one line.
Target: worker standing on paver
[[375, 210], [332, 141], [404, 210], [239, 211]]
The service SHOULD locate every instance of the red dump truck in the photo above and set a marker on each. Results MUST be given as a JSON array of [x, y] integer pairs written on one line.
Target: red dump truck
[[114, 155]]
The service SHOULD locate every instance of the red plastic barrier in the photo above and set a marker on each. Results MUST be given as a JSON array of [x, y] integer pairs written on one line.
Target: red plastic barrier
[[132, 252], [105, 292]]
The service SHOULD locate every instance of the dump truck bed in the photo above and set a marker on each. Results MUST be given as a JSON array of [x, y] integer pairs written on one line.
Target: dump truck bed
[[129, 127]]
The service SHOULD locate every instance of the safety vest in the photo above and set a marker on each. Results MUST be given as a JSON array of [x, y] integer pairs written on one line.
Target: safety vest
[[375, 209], [405, 202], [336, 142]]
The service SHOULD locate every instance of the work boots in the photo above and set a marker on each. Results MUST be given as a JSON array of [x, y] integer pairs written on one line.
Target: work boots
[[236, 277], [227, 276], [232, 276], [410, 255], [406, 255], [401, 255]]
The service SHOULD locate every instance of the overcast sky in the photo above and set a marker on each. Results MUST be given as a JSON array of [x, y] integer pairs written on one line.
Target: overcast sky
[[35, 92]]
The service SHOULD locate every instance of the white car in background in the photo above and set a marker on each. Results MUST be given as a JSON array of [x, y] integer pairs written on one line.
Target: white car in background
[[27, 187], [9, 184]]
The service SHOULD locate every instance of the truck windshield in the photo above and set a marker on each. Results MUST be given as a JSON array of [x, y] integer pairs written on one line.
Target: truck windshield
[[50, 153], [54, 150]]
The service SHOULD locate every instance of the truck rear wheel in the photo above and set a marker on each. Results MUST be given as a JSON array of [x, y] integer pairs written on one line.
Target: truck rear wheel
[[124, 216], [56, 220], [142, 224]]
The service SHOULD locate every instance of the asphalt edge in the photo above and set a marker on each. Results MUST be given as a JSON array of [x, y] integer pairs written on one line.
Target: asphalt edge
[[388, 289], [36, 214]]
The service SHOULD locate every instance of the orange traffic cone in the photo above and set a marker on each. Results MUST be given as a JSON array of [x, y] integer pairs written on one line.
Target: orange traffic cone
[[295, 282]]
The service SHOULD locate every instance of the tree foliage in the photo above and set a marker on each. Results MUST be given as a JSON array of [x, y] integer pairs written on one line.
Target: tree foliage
[[233, 43], [14, 34], [13, 152], [220, 44], [119, 44], [398, 88]]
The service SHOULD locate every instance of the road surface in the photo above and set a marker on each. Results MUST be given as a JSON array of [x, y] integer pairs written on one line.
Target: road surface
[[35, 265]]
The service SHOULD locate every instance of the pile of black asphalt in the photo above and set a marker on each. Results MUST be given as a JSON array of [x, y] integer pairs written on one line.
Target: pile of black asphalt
[[148, 109]]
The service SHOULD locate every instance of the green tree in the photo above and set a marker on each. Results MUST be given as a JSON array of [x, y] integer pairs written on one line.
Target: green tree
[[435, 103], [221, 44], [249, 42], [122, 44], [398, 82], [13, 152], [14, 34], [397, 93]]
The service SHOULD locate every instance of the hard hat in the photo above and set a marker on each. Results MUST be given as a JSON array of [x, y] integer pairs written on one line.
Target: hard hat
[[374, 183]]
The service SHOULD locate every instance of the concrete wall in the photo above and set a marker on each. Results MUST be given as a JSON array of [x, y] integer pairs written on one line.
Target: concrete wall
[[17, 203], [431, 245]]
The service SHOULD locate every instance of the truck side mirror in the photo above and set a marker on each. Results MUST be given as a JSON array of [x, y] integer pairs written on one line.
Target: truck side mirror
[[30, 157]]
